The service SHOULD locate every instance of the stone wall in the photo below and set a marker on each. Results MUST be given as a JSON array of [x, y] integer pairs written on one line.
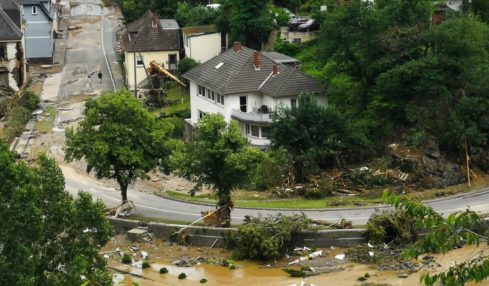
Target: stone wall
[[213, 236]]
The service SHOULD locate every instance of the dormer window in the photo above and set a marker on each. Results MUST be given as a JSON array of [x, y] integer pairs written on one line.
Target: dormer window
[[34, 10]]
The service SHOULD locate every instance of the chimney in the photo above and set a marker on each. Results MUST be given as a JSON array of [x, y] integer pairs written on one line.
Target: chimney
[[154, 21], [236, 46], [256, 60], [274, 69]]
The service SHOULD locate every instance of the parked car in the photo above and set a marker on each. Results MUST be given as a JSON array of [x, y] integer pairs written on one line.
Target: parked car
[[311, 25], [295, 22]]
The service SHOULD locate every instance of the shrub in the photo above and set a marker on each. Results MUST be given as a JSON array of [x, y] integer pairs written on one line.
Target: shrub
[[15, 123], [30, 101], [126, 259], [186, 64], [388, 226], [146, 264], [163, 270], [318, 188], [267, 238], [273, 170], [182, 276], [203, 280]]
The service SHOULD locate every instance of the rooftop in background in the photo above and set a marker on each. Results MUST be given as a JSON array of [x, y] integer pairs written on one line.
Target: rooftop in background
[[147, 34], [169, 24], [281, 58], [199, 30]]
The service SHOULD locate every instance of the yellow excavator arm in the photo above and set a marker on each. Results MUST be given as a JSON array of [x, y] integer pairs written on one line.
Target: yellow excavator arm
[[156, 68]]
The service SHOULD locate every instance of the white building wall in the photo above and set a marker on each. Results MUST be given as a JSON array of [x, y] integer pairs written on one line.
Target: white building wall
[[199, 103], [160, 57], [201, 48]]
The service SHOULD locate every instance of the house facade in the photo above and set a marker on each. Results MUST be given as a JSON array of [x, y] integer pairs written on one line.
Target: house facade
[[12, 60], [201, 43], [246, 86], [40, 18], [150, 39]]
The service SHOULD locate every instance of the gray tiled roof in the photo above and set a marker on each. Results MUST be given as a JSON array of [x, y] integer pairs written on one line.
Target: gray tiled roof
[[238, 75], [9, 5], [8, 30], [169, 24], [143, 37]]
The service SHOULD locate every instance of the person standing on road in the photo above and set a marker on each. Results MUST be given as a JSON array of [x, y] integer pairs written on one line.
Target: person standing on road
[[100, 76]]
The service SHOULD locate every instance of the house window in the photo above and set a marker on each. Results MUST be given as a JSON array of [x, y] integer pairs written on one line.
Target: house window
[[139, 61], [3, 52], [253, 130], [242, 103], [213, 96], [201, 88], [201, 114], [172, 61], [265, 132], [222, 99], [34, 10], [293, 103], [209, 96]]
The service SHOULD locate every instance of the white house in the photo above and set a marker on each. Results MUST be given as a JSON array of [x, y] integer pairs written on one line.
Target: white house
[[150, 39], [246, 86], [12, 57], [201, 43]]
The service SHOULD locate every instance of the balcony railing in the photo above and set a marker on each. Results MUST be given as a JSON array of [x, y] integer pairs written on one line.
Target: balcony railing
[[252, 117], [261, 143]]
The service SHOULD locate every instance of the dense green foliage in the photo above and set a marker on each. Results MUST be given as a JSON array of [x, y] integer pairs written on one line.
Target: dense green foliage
[[46, 236], [316, 137], [267, 238], [218, 156], [119, 139], [443, 235], [188, 15], [246, 21], [18, 116], [186, 64], [391, 226]]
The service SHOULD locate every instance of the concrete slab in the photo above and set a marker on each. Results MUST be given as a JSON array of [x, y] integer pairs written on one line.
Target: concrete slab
[[50, 88]]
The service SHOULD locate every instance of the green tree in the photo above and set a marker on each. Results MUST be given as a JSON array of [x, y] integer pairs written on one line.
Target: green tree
[[186, 64], [247, 21], [47, 237], [316, 137], [188, 15], [119, 139], [220, 157]]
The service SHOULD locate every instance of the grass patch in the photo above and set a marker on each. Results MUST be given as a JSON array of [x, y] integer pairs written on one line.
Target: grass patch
[[46, 125], [179, 99], [260, 202]]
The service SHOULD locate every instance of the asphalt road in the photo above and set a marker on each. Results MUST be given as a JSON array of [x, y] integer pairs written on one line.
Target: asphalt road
[[152, 206]]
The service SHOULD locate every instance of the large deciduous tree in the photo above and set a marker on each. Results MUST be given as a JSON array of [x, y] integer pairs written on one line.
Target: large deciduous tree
[[119, 139], [220, 157], [47, 237]]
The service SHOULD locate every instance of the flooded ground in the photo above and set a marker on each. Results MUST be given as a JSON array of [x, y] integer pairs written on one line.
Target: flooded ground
[[250, 273]]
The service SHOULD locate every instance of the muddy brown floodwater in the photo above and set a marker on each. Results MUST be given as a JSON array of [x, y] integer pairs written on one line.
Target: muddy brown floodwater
[[250, 273]]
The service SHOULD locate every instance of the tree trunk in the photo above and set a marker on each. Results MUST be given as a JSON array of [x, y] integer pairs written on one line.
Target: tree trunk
[[124, 193], [224, 204]]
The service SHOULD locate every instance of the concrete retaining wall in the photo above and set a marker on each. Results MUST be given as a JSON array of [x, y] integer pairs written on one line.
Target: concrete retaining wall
[[208, 236]]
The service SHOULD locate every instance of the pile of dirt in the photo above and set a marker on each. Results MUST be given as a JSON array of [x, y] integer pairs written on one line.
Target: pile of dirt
[[427, 168]]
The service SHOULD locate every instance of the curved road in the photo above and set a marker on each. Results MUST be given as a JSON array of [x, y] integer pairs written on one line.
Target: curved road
[[152, 206]]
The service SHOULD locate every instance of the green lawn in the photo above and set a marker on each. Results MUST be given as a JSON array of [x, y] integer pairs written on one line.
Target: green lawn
[[180, 102], [259, 202]]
